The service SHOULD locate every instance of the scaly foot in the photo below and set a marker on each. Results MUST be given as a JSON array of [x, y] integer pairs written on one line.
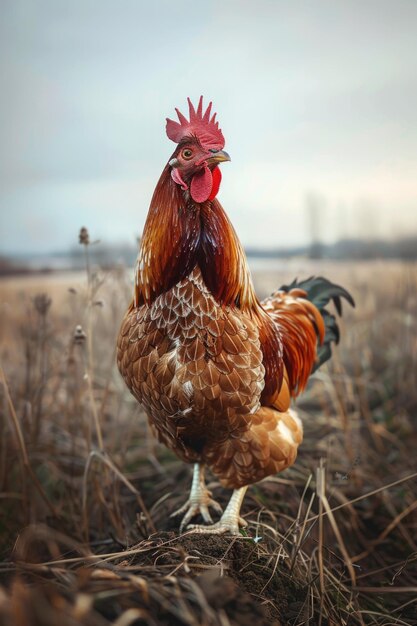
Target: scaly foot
[[195, 506], [199, 501], [230, 521]]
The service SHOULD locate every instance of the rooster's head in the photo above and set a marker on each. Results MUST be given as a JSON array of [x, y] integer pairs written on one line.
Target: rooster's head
[[194, 164]]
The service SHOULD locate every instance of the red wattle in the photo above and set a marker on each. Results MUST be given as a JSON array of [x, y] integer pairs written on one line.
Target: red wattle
[[201, 184], [217, 179]]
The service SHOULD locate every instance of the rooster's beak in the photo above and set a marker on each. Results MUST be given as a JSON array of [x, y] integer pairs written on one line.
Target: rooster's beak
[[218, 157]]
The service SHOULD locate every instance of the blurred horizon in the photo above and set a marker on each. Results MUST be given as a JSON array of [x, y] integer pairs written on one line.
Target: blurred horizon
[[115, 256], [318, 105]]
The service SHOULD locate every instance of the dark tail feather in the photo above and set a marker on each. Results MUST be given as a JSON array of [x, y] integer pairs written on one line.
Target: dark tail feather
[[320, 292]]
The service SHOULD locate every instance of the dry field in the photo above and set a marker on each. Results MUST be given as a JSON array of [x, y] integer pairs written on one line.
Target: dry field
[[85, 493]]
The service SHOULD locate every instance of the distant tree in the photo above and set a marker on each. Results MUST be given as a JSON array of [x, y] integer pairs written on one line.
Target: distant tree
[[314, 210]]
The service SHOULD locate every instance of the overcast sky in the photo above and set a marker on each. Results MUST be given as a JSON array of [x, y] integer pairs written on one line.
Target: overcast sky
[[315, 99]]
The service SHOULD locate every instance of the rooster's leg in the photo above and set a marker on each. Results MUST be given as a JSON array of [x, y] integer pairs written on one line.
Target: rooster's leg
[[199, 500], [230, 521]]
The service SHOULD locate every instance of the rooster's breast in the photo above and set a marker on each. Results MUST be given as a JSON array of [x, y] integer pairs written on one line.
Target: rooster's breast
[[194, 365]]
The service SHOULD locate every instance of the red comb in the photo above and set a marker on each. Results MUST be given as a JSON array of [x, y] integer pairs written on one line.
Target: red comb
[[203, 127]]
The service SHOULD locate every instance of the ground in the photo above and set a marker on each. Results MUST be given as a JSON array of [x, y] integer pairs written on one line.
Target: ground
[[86, 493]]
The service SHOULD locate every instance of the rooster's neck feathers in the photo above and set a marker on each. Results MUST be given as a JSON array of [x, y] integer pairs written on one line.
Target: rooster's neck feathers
[[180, 235]]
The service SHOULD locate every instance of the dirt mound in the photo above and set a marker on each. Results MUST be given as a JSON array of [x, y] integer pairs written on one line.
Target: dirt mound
[[237, 575]]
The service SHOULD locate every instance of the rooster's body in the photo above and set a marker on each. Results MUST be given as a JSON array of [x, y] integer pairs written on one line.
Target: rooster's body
[[215, 369]]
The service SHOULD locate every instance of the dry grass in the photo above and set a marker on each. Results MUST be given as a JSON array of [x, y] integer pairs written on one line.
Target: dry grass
[[86, 493]]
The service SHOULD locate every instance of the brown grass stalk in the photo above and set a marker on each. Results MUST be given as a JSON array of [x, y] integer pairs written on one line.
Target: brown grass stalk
[[25, 464]]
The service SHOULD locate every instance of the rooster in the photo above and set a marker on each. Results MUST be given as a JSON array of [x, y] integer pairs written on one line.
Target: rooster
[[214, 368]]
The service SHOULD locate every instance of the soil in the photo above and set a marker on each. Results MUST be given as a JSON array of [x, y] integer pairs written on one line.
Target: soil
[[234, 574]]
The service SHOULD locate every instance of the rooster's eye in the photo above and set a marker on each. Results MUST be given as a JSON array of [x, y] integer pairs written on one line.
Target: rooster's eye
[[187, 154]]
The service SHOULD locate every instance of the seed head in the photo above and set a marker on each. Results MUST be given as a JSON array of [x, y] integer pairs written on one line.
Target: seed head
[[42, 302], [79, 336], [84, 237]]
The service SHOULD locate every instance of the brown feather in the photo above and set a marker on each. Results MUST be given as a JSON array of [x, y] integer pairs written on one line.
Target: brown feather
[[299, 322]]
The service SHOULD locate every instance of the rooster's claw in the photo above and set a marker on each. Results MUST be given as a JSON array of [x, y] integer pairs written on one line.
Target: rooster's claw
[[197, 503]]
